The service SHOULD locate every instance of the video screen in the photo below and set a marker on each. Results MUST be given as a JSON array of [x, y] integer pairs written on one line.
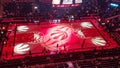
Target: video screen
[[78, 1], [66, 1], [56, 1]]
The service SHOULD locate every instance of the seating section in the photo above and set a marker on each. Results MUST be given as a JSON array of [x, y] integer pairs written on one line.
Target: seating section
[[116, 37]]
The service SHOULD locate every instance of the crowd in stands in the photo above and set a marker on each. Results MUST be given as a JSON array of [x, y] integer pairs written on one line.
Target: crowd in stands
[[13, 9], [97, 59], [23, 9], [46, 12]]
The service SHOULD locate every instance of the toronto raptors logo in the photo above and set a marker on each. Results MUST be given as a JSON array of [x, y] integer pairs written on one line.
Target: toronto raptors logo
[[38, 37], [57, 37], [98, 41], [21, 48]]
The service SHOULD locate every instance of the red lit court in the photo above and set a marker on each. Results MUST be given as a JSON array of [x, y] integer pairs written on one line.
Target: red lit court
[[51, 38]]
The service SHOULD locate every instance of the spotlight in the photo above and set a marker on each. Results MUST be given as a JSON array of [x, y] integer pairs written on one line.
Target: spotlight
[[114, 4], [108, 21], [99, 19], [35, 7], [36, 21], [5, 42], [2, 32], [3, 28]]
